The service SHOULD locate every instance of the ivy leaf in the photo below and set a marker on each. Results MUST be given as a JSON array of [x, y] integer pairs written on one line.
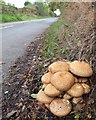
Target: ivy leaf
[[34, 96]]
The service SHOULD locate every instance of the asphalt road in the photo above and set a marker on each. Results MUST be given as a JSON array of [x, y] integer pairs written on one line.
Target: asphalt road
[[17, 35]]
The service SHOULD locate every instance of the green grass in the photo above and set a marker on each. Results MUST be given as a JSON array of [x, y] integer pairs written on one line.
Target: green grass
[[18, 17], [52, 46]]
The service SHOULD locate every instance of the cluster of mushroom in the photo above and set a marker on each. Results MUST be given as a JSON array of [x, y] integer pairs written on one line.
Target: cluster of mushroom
[[67, 79]]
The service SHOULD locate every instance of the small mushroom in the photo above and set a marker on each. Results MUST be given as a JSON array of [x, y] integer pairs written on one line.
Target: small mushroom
[[60, 107], [86, 88], [58, 66], [43, 98], [77, 100], [67, 96], [76, 90], [46, 78], [81, 68], [51, 91], [62, 80]]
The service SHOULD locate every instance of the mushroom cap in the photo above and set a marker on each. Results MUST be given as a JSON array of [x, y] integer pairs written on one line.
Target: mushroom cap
[[60, 107], [86, 88], [58, 66], [77, 100], [46, 78], [51, 91], [76, 80], [44, 85], [47, 105], [76, 90], [67, 96], [43, 98], [81, 68], [62, 80]]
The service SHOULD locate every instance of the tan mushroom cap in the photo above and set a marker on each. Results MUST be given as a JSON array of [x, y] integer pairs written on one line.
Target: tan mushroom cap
[[43, 98], [76, 80], [77, 100], [58, 66], [86, 88], [46, 78], [81, 68], [60, 107], [62, 80], [50, 90], [76, 90], [44, 85], [47, 105], [67, 96]]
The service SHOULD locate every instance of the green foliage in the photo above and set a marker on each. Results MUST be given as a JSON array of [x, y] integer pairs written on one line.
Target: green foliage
[[42, 8], [34, 95], [18, 17], [2, 2], [27, 3], [54, 5], [51, 46]]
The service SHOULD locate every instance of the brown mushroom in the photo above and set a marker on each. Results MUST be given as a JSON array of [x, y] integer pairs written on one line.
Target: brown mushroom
[[81, 68], [62, 80], [58, 66], [76, 90], [67, 96], [60, 107], [50, 90], [47, 105], [44, 85], [86, 88], [46, 78], [76, 80], [43, 98], [77, 100]]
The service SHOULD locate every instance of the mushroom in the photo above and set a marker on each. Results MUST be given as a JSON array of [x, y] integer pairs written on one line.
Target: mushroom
[[81, 68], [77, 100], [62, 80], [76, 90], [86, 88], [58, 66], [46, 78], [51, 91], [43, 98], [60, 107], [67, 96], [47, 105], [44, 85], [76, 80]]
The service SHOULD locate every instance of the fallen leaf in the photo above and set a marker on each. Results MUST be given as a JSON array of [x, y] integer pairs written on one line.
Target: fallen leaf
[[11, 113]]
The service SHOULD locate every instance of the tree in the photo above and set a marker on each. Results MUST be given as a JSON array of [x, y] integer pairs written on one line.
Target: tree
[[27, 3], [42, 8], [54, 5], [2, 2]]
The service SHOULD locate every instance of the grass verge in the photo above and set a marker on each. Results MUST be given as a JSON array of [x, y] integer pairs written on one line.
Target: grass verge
[[12, 18], [52, 45]]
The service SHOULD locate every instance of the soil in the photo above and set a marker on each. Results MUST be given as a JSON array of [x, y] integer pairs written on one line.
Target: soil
[[25, 79]]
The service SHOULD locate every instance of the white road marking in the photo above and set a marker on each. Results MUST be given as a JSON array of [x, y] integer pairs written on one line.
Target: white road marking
[[5, 27]]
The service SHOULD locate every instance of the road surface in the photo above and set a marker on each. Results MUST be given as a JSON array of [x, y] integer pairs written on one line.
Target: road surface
[[17, 35]]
